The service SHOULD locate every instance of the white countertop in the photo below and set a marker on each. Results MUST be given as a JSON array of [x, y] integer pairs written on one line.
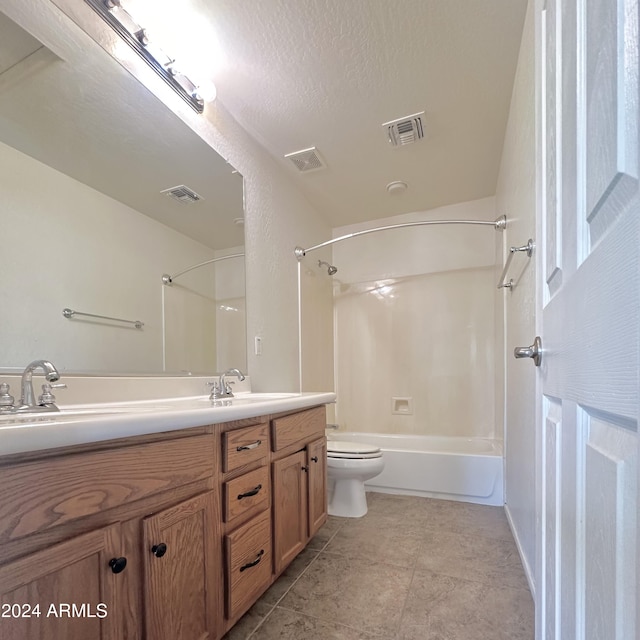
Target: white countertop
[[81, 424]]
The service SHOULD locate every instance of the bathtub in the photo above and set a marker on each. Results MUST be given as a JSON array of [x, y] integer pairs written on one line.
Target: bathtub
[[452, 468]]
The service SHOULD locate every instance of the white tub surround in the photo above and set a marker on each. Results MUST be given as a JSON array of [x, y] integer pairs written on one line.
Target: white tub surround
[[451, 468], [81, 424]]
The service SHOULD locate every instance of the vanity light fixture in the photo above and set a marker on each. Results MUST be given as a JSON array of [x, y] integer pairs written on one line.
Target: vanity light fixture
[[134, 34]]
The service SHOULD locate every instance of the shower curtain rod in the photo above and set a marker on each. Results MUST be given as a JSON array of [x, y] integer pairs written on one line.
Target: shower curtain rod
[[500, 224], [168, 280]]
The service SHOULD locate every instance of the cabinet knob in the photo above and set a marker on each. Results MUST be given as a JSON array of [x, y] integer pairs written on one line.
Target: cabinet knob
[[117, 564], [305, 469], [159, 550], [315, 458]]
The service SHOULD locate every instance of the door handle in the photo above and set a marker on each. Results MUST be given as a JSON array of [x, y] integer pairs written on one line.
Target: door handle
[[534, 351]]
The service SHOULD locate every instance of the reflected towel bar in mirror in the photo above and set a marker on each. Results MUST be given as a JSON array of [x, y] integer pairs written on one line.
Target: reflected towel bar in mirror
[[70, 313]]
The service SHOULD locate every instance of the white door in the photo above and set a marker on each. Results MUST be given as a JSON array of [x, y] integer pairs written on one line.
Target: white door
[[588, 293]]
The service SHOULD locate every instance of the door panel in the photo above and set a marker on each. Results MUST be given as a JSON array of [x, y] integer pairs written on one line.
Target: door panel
[[588, 310], [611, 101], [610, 510], [289, 509], [74, 587], [181, 600], [317, 465]]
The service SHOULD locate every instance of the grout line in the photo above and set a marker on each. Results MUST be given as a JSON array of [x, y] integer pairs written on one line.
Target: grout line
[[283, 595], [340, 624]]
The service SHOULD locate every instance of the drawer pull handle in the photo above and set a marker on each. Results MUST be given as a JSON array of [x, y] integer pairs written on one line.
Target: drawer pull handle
[[117, 564], [159, 550], [254, 563], [315, 458], [248, 494], [247, 447]]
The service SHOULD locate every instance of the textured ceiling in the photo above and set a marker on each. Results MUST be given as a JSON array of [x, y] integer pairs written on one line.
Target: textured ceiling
[[328, 73], [299, 73]]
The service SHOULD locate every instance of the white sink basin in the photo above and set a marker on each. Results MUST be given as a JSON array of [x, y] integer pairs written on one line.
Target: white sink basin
[[76, 412], [249, 398], [264, 396]]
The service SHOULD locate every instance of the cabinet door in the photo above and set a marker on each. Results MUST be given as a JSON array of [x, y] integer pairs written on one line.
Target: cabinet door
[[180, 548], [289, 509], [73, 587], [317, 464]]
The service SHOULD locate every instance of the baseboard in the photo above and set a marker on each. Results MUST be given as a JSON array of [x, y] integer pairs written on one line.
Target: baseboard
[[527, 569]]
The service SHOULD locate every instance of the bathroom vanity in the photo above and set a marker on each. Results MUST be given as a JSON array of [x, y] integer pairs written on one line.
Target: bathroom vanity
[[161, 534]]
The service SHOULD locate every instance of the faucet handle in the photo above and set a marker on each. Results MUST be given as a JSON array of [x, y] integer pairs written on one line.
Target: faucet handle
[[216, 391], [6, 399], [47, 396]]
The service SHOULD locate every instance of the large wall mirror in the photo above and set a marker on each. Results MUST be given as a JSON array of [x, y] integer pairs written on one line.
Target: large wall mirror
[[86, 153]]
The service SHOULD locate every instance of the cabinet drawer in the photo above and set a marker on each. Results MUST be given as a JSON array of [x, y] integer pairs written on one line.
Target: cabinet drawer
[[246, 492], [40, 495], [248, 563], [243, 446], [299, 428]]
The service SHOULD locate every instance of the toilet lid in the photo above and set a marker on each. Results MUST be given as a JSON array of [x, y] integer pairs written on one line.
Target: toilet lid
[[342, 449]]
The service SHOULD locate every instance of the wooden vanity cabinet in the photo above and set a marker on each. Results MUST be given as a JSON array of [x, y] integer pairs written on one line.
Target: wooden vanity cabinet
[[246, 500], [157, 537], [31, 590], [299, 482], [117, 542]]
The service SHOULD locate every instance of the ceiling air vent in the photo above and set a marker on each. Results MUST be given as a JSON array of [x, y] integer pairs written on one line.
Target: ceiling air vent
[[182, 194], [306, 160], [405, 130]]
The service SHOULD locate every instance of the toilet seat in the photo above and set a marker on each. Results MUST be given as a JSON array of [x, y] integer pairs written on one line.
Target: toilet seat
[[351, 450]]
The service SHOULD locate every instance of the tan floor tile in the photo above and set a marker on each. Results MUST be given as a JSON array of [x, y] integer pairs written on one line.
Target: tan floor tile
[[358, 593], [327, 531], [366, 539], [249, 621], [468, 582], [440, 515], [273, 594], [489, 560], [444, 608], [284, 624]]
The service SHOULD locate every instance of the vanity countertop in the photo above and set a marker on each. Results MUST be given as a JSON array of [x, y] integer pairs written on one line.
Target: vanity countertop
[[82, 424]]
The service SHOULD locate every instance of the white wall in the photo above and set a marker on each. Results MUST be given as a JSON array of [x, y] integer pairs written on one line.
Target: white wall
[[87, 252], [415, 318], [515, 196], [277, 219]]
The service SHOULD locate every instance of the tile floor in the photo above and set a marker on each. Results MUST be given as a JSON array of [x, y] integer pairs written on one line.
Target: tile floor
[[411, 569]]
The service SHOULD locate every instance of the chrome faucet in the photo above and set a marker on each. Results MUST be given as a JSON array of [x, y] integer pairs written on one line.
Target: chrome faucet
[[27, 396], [221, 389]]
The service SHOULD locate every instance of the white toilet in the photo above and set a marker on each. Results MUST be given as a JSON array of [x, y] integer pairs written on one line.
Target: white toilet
[[349, 464]]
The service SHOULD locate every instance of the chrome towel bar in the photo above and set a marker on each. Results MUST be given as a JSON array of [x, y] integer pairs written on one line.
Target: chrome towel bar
[[70, 313], [528, 249]]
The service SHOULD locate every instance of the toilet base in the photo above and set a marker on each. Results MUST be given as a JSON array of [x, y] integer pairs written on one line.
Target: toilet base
[[347, 498]]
